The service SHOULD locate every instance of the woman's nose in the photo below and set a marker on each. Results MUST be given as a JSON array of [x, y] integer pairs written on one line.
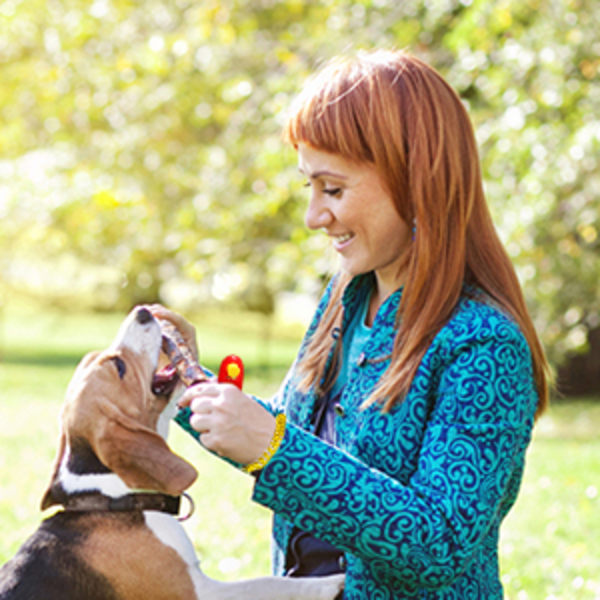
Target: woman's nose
[[317, 214]]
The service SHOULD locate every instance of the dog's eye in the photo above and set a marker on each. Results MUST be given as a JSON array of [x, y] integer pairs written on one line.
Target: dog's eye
[[120, 364]]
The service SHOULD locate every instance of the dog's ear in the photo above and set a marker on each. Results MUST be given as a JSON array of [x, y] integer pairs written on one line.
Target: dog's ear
[[49, 498], [141, 457]]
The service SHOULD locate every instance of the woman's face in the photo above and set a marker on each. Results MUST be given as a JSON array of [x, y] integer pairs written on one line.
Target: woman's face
[[350, 203]]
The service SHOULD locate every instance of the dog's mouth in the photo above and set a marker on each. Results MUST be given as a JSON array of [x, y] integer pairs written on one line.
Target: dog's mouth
[[164, 381]]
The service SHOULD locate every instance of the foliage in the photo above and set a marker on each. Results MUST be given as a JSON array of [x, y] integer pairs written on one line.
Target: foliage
[[142, 157]]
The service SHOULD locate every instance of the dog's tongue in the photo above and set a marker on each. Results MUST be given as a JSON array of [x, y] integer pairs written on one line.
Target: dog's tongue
[[164, 381]]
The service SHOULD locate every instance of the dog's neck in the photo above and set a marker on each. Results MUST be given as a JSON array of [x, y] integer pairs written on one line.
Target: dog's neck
[[84, 484], [81, 471]]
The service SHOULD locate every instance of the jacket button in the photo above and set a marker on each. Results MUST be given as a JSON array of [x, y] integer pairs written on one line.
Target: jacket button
[[342, 562], [362, 359], [339, 410]]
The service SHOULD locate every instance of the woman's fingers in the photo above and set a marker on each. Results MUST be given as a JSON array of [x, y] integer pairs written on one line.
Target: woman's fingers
[[187, 330], [200, 423], [231, 423], [202, 394]]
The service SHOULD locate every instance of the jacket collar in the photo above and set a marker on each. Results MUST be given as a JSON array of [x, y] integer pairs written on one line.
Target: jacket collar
[[359, 289]]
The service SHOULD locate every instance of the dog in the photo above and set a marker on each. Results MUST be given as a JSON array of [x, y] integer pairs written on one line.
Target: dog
[[117, 536]]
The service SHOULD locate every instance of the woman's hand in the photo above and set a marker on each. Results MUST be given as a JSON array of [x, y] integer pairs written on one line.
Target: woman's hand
[[230, 423], [187, 330]]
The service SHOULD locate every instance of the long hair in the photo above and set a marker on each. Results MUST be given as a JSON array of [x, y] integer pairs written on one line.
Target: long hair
[[397, 113]]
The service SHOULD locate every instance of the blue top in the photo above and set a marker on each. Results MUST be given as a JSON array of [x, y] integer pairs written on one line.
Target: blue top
[[308, 555], [355, 337], [414, 497]]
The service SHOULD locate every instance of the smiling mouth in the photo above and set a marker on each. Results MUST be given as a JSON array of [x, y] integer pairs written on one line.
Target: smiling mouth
[[340, 240]]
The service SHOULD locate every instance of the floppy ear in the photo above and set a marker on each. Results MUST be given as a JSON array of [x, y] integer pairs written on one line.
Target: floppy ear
[[141, 457], [49, 498]]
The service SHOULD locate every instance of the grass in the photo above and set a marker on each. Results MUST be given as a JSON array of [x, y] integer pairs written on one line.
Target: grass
[[550, 546]]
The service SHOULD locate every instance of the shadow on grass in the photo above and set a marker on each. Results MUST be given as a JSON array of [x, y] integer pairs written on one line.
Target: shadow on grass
[[54, 358]]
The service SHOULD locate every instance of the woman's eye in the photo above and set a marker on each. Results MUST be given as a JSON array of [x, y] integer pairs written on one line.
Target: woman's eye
[[330, 191]]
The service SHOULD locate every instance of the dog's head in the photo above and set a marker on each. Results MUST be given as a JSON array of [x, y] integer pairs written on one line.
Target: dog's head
[[117, 405]]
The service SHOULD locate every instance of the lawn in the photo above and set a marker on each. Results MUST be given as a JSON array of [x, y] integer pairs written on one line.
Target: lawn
[[550, 547]]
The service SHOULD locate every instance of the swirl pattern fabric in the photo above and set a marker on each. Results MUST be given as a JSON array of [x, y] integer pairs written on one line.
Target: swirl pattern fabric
[[414, 497]]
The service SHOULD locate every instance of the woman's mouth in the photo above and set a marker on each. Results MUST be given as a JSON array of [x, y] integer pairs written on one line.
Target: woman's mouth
[[340, 241]]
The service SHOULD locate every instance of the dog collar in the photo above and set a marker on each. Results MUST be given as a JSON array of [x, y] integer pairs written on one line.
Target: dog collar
[[128, 503]]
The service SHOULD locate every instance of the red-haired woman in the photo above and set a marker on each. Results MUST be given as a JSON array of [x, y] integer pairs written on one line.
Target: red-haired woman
[[401, 430]]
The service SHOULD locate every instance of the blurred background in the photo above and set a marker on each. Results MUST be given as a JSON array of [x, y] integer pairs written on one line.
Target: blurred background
[[141, 161], [141, 157]]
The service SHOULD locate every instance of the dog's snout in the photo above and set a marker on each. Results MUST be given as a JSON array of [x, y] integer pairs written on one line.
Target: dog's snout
[[143, 316]]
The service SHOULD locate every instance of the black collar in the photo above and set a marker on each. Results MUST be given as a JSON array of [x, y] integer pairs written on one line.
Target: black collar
[[93, 502]]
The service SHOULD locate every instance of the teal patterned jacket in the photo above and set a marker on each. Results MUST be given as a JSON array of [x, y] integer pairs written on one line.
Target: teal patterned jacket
[[415, 497]]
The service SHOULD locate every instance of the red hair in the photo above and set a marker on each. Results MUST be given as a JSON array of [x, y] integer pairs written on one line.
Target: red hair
[[397, 113]]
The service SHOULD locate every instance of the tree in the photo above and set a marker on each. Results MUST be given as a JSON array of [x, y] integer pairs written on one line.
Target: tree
[[142, 141]]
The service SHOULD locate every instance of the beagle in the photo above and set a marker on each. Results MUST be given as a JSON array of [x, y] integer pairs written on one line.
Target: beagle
[[119, 485]]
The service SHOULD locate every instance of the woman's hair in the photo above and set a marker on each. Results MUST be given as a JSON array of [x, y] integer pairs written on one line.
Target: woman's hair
[[395, 112]]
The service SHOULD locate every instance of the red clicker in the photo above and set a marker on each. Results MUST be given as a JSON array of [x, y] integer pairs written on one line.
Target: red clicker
[[232, 370]]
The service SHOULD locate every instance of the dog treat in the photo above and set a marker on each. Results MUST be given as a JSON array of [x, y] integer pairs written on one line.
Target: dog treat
[[180, 355]]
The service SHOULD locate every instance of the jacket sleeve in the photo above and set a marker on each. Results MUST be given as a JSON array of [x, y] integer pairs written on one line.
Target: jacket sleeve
[[426, 531]]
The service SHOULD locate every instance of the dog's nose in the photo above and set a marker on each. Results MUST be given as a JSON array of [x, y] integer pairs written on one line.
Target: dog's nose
[[143, 316]]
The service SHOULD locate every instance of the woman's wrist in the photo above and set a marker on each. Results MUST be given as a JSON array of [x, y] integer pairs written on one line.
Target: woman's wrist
[[260, 463]]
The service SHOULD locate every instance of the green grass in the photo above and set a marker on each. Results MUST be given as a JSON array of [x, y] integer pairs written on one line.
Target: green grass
[[550, 546]]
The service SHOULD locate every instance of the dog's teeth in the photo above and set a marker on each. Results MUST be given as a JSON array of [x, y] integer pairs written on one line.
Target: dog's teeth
[[164, 381]]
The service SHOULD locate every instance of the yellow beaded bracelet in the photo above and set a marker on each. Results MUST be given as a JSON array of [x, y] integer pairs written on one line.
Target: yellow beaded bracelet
[[273, 446]]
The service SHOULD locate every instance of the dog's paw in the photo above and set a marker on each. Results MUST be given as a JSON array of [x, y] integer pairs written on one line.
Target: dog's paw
[[330, 586]]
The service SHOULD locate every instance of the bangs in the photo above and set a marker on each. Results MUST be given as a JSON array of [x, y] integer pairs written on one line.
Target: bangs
[[330, 114]]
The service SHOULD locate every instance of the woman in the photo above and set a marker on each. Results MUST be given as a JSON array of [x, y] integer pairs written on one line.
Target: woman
[[411, 403]]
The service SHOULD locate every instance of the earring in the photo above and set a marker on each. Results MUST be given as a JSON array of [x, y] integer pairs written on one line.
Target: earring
[[414, 229]]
